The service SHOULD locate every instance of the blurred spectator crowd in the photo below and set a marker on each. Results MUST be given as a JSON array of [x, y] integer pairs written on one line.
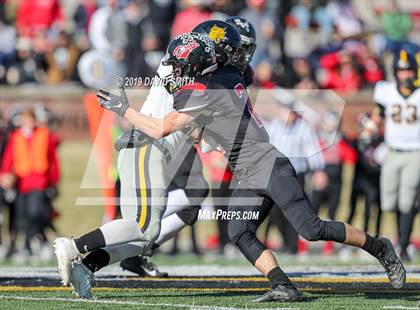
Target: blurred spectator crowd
[[343, 45]]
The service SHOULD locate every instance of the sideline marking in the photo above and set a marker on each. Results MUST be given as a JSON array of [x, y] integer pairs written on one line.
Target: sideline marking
[[263, 279], [116, 302]]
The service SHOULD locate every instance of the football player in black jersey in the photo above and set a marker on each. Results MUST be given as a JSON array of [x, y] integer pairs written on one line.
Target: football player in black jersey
[[218, 105], [227, 40]]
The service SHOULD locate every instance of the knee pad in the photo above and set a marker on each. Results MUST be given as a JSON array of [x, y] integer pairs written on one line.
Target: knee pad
[[332, 231], [189, 215], [246, 240], [235, 230]]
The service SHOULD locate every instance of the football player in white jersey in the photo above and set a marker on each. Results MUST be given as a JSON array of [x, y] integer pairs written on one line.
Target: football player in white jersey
[[143, 196], [173, 223], [399, 107], [183, 167]]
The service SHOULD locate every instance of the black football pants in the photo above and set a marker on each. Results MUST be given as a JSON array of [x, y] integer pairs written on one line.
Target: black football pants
[[283, 191]]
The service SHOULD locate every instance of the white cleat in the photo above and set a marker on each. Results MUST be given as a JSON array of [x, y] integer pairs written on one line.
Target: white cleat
[[81, 279], [66, 251]]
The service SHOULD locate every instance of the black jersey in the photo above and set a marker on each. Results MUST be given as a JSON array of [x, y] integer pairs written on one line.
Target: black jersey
[[226, 114]]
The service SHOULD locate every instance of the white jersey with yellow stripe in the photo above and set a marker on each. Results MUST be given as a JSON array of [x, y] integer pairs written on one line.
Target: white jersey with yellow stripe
[[160, 103], [402, 116]]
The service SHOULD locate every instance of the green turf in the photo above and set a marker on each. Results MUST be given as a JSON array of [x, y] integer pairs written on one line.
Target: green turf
[[167, 299]]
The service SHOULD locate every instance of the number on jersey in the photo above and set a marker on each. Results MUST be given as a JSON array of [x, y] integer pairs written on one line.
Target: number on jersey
[[243, 95], [397, 113]]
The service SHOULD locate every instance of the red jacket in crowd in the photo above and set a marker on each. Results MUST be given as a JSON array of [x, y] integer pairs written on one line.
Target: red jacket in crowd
[[338, 153], [33, 160], [187, 19], [340, 75], [34, 15]]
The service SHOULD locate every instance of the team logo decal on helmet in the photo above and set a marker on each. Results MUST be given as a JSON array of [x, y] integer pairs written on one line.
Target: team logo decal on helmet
[[225, 37], [403, 60], [248, 40], [191, 55], [242, 23], [182, 51], [217, 34]]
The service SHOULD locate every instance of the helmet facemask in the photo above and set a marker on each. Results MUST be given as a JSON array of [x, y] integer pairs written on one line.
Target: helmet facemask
[[404, 62], [243, 56], [406, 85]]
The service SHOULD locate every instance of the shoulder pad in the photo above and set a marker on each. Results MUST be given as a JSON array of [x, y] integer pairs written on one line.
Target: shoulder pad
[[194, 86]]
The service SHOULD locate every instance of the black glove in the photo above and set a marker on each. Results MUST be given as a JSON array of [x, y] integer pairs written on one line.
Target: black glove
[[114, 103], [9, 196], [52, 192]]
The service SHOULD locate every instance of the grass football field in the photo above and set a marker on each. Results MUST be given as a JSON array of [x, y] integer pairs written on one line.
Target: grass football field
[[184, 299], [198, 283], [208, 282]]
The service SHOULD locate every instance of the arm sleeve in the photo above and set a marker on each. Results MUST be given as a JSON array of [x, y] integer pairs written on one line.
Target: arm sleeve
[[54, 166], [6, 165]]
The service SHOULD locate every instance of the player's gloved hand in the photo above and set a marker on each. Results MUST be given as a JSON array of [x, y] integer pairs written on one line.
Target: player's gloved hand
[[114, 103], [52, 192]]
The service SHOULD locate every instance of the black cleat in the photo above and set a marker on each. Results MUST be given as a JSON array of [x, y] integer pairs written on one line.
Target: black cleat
[[280, 293], [405, 257], [392, 264], [142, 267]]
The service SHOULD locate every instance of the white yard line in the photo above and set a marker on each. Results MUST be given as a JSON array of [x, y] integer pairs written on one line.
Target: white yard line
[[131, 303]]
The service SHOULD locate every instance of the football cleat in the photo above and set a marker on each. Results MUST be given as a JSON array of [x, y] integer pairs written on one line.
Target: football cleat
[[392, 264], [81, 279], [280, 293], [141, 266], [405, 257], [66, 251]]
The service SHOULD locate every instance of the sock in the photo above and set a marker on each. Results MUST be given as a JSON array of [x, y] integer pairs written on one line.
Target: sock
[[177, 201], [277, 277], [90, 241], [171, 226], [154, 246], [96, 260], [405, 224], [373, 246]]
